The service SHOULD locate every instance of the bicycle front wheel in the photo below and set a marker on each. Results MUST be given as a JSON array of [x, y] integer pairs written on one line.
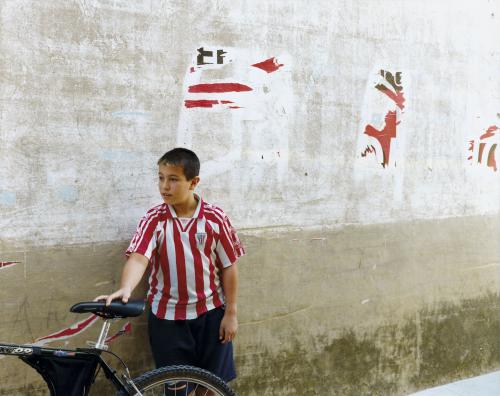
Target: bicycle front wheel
[[182, 380]]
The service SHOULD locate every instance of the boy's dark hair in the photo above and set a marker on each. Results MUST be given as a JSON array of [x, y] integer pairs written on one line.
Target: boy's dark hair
[[180, 156]]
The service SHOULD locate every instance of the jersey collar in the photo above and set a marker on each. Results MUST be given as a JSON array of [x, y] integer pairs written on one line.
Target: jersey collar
[[198, 213]]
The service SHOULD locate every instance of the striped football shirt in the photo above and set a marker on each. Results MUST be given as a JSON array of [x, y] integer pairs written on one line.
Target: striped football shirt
[[186, 257]]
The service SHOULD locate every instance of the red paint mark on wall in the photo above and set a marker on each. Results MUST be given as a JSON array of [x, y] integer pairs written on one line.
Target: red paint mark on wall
[[392, 88], [5, 264], [485, 145], [269, 65], [200, 103], [385, 135], [217, 58], [490, 132], [471, 148], [207, 103], [218, 88], [481, 149], [492, 163], [397, 97], [127, 328], [69, 332], [230, 102]]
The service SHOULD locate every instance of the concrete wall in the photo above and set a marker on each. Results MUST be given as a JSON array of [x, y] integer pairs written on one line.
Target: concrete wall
[[356, 152]]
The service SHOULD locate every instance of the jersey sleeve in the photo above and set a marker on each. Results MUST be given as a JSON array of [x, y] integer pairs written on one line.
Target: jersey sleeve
[[229, 247], [144, 240]]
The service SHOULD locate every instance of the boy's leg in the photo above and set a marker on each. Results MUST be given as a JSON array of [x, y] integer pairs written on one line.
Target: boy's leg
[[171, 343], [212, 354]]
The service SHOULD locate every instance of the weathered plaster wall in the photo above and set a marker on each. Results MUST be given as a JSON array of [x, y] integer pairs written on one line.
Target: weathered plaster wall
[[368, 200]]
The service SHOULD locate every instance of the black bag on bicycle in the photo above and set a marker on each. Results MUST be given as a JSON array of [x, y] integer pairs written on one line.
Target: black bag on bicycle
[[69, 376]]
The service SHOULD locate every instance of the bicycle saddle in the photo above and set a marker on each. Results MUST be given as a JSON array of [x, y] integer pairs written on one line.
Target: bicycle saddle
[[117, 309]]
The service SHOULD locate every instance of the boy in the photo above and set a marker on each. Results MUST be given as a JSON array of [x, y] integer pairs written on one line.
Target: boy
[[192, 249]]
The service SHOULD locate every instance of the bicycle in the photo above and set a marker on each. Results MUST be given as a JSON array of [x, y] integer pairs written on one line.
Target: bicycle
[[71, 372]]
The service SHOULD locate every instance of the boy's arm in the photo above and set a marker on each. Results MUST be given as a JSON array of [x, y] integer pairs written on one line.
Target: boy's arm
[[131, 276], [229, 323]]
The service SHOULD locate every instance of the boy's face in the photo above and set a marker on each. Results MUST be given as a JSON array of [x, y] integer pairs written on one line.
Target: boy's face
[[174, 187]]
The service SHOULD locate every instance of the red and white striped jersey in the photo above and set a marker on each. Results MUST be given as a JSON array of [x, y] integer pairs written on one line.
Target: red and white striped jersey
[[186, 257]]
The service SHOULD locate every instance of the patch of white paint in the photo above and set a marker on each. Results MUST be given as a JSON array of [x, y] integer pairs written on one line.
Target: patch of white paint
[[7, 198], [67, 193], [258, 138]]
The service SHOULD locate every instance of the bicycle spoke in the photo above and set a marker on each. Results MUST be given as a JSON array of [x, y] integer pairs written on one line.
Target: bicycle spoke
[[206, 392]]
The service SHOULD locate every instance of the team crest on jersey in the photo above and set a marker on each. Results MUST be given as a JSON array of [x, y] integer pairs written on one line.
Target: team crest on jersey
[[201, 237]]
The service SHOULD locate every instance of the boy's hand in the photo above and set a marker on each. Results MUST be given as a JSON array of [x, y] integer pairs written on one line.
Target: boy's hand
[[228, 327], [124, 294]]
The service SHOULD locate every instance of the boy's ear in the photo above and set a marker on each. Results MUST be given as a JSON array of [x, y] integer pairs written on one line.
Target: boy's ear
[[194, 182]]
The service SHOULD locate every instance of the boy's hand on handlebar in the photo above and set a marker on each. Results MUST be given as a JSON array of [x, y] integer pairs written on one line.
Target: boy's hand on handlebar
[[124, 294]]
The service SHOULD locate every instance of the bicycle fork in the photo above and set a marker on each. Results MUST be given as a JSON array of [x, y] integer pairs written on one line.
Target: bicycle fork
[[129, 381]]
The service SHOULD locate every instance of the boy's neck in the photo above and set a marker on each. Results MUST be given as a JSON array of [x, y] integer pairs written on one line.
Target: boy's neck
[[186, 209]]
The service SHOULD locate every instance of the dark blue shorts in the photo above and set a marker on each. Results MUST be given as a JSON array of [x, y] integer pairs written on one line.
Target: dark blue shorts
[[194, 342]]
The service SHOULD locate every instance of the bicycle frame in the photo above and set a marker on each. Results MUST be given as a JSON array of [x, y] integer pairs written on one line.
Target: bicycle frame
[[71, 372]]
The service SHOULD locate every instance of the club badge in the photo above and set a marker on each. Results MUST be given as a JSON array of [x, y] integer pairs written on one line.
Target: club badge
[[201, 237]]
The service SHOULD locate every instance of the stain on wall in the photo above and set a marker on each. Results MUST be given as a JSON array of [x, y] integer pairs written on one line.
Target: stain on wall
[[360, 312], [433, 347]]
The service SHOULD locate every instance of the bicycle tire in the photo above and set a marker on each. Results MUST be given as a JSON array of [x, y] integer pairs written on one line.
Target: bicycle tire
[[153, 382]]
